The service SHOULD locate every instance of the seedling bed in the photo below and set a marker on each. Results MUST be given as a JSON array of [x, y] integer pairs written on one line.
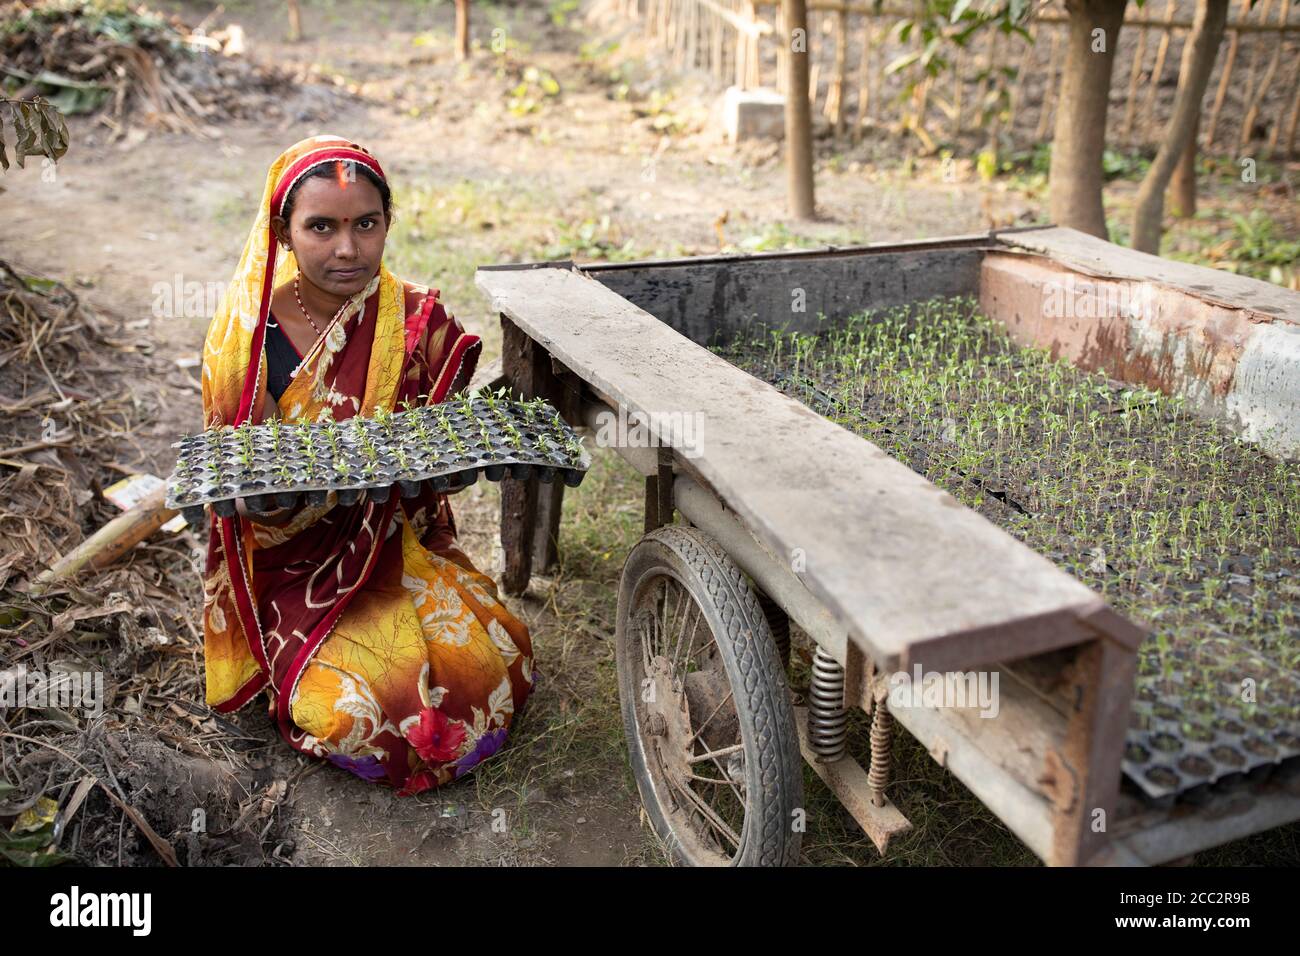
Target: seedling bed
[[276, 464], [1173, 521]]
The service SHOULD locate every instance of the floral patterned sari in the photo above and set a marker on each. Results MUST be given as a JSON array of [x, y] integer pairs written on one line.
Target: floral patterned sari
[[380, 645]]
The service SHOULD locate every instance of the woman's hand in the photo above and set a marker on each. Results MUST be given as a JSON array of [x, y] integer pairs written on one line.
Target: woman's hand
[[275, 519]]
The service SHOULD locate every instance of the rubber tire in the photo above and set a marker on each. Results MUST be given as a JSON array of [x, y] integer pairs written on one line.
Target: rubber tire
[[773, 764]]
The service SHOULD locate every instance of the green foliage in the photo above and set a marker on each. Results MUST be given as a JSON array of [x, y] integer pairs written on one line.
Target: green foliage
[[560, 10], [118, 20], [1257, 241], [528, 95], [1116, 165]]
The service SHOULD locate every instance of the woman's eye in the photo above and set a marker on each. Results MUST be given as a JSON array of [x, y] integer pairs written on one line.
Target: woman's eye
[[320, 227], [365, 223]]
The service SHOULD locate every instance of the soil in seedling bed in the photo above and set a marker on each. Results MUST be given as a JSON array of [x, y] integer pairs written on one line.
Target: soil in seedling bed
[[1180, 525]]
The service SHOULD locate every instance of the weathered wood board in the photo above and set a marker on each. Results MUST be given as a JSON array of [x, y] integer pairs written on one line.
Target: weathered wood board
[[1097, 257]]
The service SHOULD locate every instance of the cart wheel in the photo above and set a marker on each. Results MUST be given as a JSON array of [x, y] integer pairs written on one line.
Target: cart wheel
[[706, 707]]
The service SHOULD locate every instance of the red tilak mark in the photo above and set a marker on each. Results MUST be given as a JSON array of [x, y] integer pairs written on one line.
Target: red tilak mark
[[342, 175]]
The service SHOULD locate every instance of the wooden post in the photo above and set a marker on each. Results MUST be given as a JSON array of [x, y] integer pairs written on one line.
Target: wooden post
[[742, 47], [295, 22], [1025, 65], [864, 79], [1158, 70], [565, 394], [1250, 90], [982, 88], [1083, 781], [1221, 94], [798, 118], [692, 35], [462, 29], [1134, 73], [958, 62], [1277, 137], [717, 52], [530, 510], [782, 48], [995, 42], [1266, 83], [1288, 138], [1051, 89], [835, 93]]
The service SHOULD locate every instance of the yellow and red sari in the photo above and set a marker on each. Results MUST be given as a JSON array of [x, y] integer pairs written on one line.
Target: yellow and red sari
[[380, 645]]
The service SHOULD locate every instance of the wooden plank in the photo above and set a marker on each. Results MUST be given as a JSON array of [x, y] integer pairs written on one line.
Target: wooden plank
[[1097, 257], [522, 362], [911, 574], [1084, 776], [565, 395], [996, 759]]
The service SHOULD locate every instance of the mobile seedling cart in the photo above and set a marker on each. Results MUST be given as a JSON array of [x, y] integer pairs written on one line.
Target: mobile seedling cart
[[785, 516]]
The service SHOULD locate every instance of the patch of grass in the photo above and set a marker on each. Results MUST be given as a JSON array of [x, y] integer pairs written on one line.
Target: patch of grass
[[570, 736]]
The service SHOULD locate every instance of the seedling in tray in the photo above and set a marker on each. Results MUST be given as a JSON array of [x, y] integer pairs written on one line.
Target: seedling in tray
[[356, 458]]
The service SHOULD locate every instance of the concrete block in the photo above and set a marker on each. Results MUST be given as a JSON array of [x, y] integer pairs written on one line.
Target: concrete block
[[753, 114]]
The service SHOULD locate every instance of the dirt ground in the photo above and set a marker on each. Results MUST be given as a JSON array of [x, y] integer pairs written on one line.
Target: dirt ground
[[623, 161]]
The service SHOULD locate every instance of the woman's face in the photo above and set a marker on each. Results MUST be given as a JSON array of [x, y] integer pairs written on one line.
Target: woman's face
[[337, 232]]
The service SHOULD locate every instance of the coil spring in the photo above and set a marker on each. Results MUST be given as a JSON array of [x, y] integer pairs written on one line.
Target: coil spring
[[882, 726], [828, 720]]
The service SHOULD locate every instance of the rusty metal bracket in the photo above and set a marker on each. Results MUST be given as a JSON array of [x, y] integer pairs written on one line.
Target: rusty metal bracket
[[659, 492]]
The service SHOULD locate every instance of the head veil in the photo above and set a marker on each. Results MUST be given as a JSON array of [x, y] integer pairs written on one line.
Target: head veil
[[233, 383]]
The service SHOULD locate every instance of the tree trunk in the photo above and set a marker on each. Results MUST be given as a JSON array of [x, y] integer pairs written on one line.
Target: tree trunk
[[1080, 137], [1181, 196], [798, 113], [462, 29], [295, 22], [1198, 63]]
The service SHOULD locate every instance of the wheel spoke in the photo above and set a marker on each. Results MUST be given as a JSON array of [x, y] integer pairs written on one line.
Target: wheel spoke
[[725, 751], [686, 633], [650, 624], [711, 642], [683, 597], [707, 812], [695, 736], [726, 775], [713, 780]]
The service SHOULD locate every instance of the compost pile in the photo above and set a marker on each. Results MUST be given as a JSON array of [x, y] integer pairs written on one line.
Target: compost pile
[[112, 768], [131, 65], [1176, 523]]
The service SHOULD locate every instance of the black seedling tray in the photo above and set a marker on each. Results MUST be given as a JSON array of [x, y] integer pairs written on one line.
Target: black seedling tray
[[276, 464]]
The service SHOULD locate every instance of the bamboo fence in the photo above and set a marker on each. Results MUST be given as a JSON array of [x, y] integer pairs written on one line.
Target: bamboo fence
[[1000, 87]]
